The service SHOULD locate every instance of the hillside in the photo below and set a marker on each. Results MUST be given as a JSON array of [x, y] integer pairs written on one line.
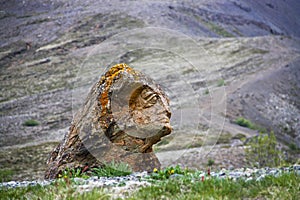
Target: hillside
[[217, 61]]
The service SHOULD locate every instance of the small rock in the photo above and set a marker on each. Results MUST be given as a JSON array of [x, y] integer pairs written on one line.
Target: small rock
[[79, 180], [249, 179], [236, 174], [222, 174], [261, 177], [297, 169], [140, 174]]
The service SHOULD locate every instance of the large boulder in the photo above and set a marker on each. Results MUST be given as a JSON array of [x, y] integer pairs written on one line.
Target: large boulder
[[125, 113]]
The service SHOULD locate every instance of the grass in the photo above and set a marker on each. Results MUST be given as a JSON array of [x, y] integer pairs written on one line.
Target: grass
[[6, 175], [112, 169], [220, 30], [221, 82], [64, 187], [186, 185], [167, 172], [31, 122], [214, 188], [195, 144], [73, 173], [214, 27], [240, 136], [58, 190], [224, 138]]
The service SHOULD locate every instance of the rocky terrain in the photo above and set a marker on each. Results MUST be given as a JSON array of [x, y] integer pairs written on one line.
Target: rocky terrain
[[217, 61]]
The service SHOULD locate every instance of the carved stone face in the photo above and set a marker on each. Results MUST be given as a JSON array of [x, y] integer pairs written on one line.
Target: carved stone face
[[146, 107], [138, 113]]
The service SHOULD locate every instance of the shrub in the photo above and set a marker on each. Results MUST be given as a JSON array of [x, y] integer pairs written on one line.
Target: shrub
[[263, 151], [206, 91], [244, 122], [247, 123], [210, 162], [31, 122]]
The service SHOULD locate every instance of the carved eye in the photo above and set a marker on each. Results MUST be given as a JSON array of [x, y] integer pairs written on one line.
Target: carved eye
[[146, 93], [150, 101], [144, 97], [153, 99]]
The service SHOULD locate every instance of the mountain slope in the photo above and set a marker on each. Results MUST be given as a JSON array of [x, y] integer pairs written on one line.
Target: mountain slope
[[217, 60]]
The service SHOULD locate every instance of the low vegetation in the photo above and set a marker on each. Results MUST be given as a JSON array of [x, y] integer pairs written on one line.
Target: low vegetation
[[5, 175], [221, 82], [112, 169], [248, 124], [171, 183], [206, 92], [239, 136], [73, 173], [245, 123], [31, 122], [210, 162], [167, 172], [213, 188], [263, 151], [224, 138], [219, 30], [293, 147], [58, 190]]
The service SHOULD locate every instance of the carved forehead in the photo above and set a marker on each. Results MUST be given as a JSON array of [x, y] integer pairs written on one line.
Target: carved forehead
[[145, 92]]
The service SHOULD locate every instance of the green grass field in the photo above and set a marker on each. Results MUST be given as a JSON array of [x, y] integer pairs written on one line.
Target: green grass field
[[189, 185]]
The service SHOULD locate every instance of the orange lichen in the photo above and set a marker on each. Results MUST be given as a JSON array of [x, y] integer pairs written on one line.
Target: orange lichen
[[109, 78]]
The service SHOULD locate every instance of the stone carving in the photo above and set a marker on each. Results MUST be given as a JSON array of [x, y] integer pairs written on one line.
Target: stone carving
[[125, 113]]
